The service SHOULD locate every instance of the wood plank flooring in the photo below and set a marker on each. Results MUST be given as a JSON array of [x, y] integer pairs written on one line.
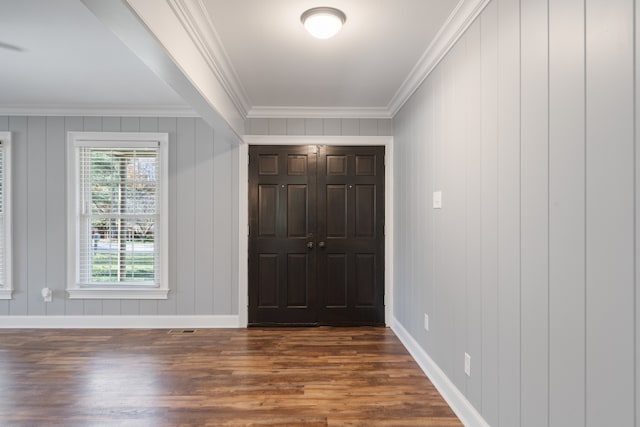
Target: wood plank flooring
[[214, 377]]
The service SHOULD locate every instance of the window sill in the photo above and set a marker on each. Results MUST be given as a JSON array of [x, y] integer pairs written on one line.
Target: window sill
[[102, 293], [5, 293]]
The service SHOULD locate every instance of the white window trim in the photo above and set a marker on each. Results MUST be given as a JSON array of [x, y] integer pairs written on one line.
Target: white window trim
[[6, 291], [114, 139]]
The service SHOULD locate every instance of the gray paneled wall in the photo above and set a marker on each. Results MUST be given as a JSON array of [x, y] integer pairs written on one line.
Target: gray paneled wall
[[528, 126], [318, 126], [202, 217]]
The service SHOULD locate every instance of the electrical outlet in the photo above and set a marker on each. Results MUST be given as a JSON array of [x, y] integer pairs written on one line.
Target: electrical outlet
[[426, 322], [467, 364]]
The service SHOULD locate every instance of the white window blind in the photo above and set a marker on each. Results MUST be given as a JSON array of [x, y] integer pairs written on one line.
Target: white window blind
[[118, 228], [119, 190]]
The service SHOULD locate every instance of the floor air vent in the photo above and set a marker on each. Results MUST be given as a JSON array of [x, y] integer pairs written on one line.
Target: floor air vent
[[181, 331]]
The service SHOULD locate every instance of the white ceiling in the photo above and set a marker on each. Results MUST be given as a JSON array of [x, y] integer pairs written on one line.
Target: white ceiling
[[67, 59], [279, 65], [70, 60]]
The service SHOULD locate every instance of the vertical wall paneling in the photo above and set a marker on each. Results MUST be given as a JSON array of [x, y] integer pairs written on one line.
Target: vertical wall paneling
[[36, 214], [235, 194], [414, 214], [39, 208], [424, 216], [295, 126], [455, 211], [609, 204], [56, 254], [473, 148], [111, 124], [566, 213], [332, 126], [429, 230], [170, 126], [147, 124], [72, 307], [368, 127], [445, 315], [535, 212], [222, 214], [204, 202], [399, 300], [4, 127], [350, 127], [385, 127], [313, 126], [489, 214], [277, 126], [399, 297], [20, 144], [259, 126], [186, 227], [637, 212], [509, 211], [93, 307], [409, 254]]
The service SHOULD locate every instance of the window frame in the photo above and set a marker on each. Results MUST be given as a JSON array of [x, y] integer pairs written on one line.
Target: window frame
[[6, 290], [123, 140]]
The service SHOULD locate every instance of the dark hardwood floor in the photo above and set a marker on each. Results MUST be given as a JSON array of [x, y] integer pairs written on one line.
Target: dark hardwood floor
[[214, 377]]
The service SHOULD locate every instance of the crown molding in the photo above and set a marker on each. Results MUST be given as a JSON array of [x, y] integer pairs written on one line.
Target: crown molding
[[266, 112], [463, 15], [195, 19], [97, 110]]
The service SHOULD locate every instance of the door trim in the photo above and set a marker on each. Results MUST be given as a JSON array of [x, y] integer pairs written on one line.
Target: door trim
[[243, 207]]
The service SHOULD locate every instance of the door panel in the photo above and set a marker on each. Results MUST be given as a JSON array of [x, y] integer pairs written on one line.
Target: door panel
[[297, 213], [336, 281], [351, 225], [282, 188], [298, 280], [336, 211], [267, 213], [268, 281], [316, 243]]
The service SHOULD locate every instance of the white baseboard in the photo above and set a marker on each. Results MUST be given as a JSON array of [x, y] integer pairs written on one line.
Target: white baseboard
[[469, 416], [119, 322]]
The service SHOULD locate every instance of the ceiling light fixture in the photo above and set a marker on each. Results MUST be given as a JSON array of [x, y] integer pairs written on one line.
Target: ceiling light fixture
[[323, 22]]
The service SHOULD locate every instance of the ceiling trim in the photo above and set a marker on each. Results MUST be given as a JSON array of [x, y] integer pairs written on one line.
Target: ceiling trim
[[463, 15], [97, 110], [319, 112], [195, 19], [155, 34]]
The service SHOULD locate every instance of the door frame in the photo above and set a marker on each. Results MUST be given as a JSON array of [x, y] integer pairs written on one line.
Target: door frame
[[243, 208]]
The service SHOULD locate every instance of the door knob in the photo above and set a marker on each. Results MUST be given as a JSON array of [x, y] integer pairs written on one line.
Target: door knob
[[321, 244], [310, 245]]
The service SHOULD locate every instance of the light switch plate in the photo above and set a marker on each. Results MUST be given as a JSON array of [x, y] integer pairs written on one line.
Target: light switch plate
[[437, 200], [426, 322]]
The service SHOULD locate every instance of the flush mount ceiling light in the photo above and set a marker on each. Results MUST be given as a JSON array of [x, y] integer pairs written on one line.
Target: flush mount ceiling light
[[323, 22]]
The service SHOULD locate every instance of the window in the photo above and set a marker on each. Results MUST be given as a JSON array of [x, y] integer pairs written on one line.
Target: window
[[117, 207], [6, 286]]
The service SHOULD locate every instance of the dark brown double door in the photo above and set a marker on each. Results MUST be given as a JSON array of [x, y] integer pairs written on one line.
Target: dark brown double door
[[316, 235]]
